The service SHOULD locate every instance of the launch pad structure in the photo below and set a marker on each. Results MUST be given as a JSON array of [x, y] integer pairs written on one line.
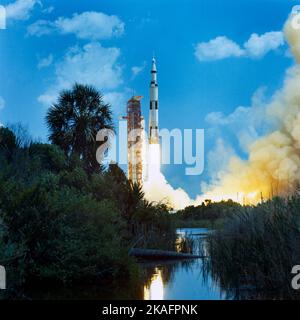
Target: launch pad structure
[[135, 127]]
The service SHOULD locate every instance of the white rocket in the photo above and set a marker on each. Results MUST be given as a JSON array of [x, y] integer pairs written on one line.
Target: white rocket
[[153, 114]]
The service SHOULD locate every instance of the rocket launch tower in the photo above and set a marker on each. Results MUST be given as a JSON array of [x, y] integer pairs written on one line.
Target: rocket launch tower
[[153, 113], [135, 127]]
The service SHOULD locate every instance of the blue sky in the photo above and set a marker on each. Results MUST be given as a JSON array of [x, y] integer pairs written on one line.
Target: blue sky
[[213, 71]]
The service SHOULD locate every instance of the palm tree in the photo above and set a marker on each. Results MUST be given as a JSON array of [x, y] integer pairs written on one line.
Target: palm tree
[[75, 120]]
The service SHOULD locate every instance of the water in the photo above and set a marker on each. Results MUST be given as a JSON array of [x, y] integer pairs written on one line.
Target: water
[[182, 280]]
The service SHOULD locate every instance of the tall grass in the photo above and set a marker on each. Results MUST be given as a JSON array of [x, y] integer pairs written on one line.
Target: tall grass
[[185, 244], [253, 255]]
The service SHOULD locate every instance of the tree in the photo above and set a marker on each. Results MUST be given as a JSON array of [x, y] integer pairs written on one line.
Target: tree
[[75, 120], [8, 143]]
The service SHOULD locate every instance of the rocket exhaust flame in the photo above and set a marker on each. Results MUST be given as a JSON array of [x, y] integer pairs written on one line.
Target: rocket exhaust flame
[[157, 188]]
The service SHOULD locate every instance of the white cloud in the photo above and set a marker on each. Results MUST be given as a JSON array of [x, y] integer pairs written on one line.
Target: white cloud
[[2, 103], [117, 100], [89, 25], [92, 25], [45, 62], [20, 9], [138, 69], [256, 46], [40, 28], [91, 64], [48, 10], [48, 98], [218, 48]]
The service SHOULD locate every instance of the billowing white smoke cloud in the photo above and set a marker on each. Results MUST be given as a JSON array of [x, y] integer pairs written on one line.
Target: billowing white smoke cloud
[[156, 187], [273, 165], [159, 190]]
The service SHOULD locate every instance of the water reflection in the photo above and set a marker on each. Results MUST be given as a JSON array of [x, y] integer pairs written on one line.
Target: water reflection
[[155, 289], [184, 279]]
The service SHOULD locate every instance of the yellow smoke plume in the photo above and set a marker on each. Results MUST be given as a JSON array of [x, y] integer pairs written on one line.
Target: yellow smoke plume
[[273, 165]]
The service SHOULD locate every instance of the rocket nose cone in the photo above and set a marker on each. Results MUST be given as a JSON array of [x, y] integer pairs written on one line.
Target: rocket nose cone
[[153, 64]]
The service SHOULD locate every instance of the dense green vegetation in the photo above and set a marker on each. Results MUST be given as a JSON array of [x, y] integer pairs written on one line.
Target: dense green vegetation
[[64, 218], [253, 254], [207, 215]]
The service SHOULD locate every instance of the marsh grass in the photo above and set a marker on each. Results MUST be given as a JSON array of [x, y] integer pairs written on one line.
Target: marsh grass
[[253, 255], [185, 244], [190, 244]]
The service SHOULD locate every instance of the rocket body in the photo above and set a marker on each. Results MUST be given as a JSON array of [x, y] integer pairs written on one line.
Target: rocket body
[[153, 113]]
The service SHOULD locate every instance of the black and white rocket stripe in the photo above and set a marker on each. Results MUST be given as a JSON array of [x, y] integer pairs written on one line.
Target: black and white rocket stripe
[[153, 114]]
